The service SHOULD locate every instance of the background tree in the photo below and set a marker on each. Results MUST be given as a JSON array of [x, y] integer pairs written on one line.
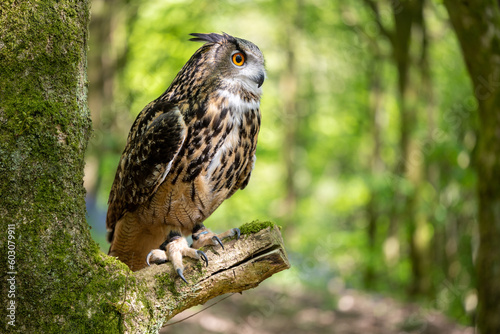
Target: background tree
[[477, 25], [409, 30]]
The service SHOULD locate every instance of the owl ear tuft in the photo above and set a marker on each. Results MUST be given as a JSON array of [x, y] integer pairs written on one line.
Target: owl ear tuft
[[212, 38]]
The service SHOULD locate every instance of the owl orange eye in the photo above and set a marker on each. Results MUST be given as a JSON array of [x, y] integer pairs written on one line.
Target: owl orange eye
[[238, 59]]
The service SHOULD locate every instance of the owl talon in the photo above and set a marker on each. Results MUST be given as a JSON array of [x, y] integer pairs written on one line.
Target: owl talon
[[176, 248], [238, 232], [216, 239], [207, 237], [179, 272], [157, 256], [202, 256]]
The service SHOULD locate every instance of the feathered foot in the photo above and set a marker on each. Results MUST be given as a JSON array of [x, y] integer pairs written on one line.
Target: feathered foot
[[173, 250], [204, 236]]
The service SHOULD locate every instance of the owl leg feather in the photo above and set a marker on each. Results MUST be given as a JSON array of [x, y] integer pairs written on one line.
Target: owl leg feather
[[203, 236], [173, 250]]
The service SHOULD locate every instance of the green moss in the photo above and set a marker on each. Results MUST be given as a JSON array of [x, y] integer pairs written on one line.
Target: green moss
[[164, 281], [199, 267], [64, 283], [198, 271], [256, 226]]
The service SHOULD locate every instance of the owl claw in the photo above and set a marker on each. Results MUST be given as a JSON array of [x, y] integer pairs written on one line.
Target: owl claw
[[157, 256], [238, 232], [216, 239], [202, 256], [207, 237], [174, 251], [179, 272]]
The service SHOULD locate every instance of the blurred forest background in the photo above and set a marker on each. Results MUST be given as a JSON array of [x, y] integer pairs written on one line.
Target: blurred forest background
[[367, 148]]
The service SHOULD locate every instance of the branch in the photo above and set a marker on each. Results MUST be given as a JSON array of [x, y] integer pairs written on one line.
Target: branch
[[242, 265]]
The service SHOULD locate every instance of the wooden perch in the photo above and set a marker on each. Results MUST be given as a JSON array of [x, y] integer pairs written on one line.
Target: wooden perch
[[242, 265]]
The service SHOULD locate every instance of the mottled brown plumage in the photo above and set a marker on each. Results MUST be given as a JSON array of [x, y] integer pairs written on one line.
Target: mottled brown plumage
[[187, 152]]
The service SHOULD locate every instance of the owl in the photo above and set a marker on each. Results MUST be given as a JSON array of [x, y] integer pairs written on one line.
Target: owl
[[187, 151]]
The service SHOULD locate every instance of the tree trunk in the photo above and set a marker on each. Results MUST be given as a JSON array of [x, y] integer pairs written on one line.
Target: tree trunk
[[376, 163], [477, 26], [408, 17], [54, 278], [289, 87], [45, 127]]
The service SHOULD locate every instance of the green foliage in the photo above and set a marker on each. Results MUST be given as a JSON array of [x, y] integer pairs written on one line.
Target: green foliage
[[338, 50]]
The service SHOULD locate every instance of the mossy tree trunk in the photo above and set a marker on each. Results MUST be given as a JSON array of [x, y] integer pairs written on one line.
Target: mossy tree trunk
[[54, 278], [45, 127], [477, 26]]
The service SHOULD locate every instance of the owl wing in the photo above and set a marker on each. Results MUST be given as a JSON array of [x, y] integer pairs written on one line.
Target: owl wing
[[246, 179], [153, 143]]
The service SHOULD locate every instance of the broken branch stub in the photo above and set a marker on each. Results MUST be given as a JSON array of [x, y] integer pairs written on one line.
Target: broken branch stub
[[243, 265]]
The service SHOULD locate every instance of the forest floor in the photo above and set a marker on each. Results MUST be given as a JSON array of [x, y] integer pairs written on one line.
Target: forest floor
[[266, 310]]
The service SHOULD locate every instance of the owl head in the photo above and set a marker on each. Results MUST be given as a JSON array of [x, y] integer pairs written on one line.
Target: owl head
[[236, 63], [225, 64]]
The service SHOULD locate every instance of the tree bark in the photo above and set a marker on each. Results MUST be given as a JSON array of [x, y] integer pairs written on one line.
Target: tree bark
[[54, 278], [477, 26]]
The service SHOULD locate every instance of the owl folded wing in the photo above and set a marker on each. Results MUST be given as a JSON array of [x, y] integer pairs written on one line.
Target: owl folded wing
[[153, 143]]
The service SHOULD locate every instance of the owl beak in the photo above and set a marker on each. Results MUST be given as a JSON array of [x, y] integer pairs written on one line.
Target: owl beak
[[260, 79]]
